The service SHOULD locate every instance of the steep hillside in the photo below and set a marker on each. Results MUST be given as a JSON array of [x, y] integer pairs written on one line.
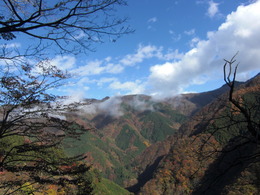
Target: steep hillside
[[142, 143], [204, 98], [122, 132], [214, 152]]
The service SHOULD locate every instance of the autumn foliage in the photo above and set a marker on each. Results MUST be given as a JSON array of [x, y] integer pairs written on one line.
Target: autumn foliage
[[184, 166]]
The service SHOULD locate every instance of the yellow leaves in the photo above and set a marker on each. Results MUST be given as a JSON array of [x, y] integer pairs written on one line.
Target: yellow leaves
[[185, 164], [167, 172], [51, 192], [54, 190], [27, 188], [146, 143]]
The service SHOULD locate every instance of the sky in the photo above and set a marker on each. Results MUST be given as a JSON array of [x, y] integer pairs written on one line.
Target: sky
[[178, 47]]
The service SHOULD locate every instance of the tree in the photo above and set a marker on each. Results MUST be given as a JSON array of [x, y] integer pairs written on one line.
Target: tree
[[32, 127], [71, 25], [236, 126], [241, 104], [33, 122]]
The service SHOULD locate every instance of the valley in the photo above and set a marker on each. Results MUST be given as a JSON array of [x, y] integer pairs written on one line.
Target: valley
[[144, 141]]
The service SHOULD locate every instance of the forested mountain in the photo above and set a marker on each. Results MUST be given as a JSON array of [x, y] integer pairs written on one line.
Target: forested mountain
[[189, 144], [142, 143], [213, 153], [116, 139]]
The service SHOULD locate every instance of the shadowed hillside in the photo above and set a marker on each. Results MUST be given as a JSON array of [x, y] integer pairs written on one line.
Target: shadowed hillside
[[141, 143], [130, 131], [214, 153]]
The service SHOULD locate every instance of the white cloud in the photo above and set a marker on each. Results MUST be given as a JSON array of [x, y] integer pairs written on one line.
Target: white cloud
[[143, 52], [130, 87], [173, 71], [108, 59], [152, 20], [189, 32], [74, 96], [79, 35], [172, 55], [213, 9], [63, 62], [10, 45], [194, 42], [175, 37], [111, 107], [240, 32], [98, 67], [10, 55], [147, 52], [105, 80], [114, 68]]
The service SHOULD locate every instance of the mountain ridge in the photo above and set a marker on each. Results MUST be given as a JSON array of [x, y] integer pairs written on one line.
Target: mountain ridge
[[133, 137]]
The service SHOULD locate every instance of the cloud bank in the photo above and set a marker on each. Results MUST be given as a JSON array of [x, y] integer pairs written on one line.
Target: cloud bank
[[171, 72], [240, 32], [113, 106]]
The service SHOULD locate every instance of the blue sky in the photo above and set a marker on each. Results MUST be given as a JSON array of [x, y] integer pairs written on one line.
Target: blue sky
[[177, 47]]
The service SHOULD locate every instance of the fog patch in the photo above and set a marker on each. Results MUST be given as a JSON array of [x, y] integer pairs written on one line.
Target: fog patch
[[111, 107], [141, 103]]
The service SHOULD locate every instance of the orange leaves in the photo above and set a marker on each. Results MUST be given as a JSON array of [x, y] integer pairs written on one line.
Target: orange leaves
[[146, 143], [184, 165]]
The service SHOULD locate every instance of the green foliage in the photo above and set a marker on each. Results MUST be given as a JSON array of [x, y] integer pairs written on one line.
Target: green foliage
[[174, 115], [105, 154], [127, 137], [109, 188], [87, 142], [27, 189], [10, 152], [247, 183], [156, 126], [91, 182], [222, 127], [231, 122], [87, 182], [136, 130], [8, 143], [18, 152], [180, 170]]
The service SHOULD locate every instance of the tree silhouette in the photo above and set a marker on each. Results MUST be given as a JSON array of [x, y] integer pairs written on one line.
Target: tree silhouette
[[71, 25], [32, 121], [241, 104], [236, 126]]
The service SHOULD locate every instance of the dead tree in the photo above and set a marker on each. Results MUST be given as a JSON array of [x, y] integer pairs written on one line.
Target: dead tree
[[238, 121], [253, 124]]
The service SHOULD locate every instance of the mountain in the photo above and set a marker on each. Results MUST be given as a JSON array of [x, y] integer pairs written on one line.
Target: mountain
[[214, 153], [149, 146], [118, 136], [122, 128]]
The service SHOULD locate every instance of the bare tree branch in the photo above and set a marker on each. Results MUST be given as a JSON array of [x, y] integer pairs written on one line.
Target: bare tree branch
[[59, 23]]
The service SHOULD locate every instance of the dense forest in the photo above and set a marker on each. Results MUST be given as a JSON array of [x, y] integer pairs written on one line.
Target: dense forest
[[196, 143], [175, 146]]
